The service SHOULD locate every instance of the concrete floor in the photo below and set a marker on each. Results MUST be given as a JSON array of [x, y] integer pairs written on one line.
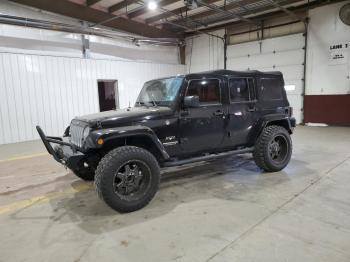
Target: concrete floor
[[224, 211]]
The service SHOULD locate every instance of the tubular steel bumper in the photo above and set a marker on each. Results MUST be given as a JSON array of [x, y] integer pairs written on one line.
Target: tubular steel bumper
[[64, 153]]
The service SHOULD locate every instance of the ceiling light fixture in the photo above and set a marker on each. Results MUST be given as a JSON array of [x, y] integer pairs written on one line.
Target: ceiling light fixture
[[152, 5]]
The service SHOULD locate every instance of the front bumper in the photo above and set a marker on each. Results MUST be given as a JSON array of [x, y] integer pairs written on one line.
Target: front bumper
[[64, 152]]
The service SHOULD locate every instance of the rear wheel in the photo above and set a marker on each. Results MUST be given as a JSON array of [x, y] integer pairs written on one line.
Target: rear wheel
[[273, 148], [127, 178]]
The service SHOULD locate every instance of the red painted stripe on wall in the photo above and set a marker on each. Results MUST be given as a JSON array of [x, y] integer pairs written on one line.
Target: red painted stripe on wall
[[328, 109]]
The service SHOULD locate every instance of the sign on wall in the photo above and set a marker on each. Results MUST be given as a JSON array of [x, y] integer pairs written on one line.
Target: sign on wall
[[338, 54]]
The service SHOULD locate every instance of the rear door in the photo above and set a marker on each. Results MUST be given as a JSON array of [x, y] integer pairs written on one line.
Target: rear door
[[241, 110], [202, 128]]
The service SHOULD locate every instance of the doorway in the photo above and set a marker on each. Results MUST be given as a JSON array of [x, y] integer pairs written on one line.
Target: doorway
[[108, 94]]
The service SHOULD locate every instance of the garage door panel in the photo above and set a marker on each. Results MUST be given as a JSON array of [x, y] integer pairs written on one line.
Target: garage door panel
[[241, 63], [283, 43], [244, 49], [285, 54], [291, 72], [297, 84], [297, 114], [294, 100], [291, 58]]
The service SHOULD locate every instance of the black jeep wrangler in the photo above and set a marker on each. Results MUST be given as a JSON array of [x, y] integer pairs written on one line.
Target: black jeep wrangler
[[176, 121]]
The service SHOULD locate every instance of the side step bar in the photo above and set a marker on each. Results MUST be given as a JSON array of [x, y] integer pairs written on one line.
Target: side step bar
[[206, 157]]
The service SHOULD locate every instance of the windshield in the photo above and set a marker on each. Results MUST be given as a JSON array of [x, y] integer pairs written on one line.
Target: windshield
[[159, 92]]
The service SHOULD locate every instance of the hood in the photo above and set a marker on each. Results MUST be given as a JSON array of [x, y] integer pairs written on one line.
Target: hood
[[122, 116]]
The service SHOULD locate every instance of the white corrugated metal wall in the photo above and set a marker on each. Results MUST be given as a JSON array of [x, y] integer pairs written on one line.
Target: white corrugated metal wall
[[51, 90], [285, 54]]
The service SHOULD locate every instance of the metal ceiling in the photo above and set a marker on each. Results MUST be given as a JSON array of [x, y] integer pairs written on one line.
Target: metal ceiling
[[172, 19]]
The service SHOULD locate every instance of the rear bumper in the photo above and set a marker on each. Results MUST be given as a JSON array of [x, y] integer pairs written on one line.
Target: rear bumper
[[292, 122], [64, 152]]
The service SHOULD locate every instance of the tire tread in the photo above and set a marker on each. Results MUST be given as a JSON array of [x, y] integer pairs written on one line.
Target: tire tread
[[259, 153], [107, 162]]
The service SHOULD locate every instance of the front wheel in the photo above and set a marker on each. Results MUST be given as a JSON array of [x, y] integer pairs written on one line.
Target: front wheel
[[127, 178], [273, 149]]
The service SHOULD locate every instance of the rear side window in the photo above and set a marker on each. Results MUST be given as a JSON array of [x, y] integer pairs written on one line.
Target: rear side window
[[241, 89], [208, 90], [271, 89]]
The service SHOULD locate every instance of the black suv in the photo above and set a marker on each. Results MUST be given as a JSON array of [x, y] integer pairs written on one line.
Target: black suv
[[176, 121]]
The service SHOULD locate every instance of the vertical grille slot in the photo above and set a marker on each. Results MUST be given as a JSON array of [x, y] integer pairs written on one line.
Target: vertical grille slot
[[76, 132]]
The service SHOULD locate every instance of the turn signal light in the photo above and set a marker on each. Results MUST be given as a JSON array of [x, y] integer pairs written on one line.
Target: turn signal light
[[100, 141]]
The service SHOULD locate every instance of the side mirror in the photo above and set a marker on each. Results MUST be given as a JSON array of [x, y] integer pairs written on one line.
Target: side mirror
[[191, 101]]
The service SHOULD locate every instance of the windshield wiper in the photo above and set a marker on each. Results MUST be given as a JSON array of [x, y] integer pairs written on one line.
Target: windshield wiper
[[153, 100], [144, 103]]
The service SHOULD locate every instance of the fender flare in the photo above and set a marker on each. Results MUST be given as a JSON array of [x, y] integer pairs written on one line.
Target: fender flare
[[109, 134], [282, 118], [287, 122]]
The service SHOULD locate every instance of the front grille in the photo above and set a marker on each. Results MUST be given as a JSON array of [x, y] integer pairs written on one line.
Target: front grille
[[76, 133]]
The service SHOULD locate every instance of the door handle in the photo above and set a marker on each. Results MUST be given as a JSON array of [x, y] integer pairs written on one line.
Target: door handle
[[184, 113], [218, 113]]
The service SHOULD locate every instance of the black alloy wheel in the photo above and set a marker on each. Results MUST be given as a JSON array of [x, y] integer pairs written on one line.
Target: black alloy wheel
[[132, 180], [278, 149], [127, 178], [273, 148]]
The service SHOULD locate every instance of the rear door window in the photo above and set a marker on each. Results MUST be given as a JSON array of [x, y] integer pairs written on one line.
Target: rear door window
[[271, 89], [241, 89]]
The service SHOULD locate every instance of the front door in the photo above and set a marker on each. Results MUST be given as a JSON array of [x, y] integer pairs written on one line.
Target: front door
[[241, 110], [202, 128]]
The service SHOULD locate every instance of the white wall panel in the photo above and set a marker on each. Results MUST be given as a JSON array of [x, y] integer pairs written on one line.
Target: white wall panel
[[51, 90], [326, 29]]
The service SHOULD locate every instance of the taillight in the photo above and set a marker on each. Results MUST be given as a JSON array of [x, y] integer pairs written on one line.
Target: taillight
[[289, 111]]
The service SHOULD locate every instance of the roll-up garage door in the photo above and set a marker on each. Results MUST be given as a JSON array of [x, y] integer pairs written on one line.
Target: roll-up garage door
[[285, 54]]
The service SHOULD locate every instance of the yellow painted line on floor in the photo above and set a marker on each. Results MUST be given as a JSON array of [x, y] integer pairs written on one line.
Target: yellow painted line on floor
[[22, 157], [43, 198]]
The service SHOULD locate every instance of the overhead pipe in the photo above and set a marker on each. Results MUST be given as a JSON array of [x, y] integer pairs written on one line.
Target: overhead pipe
[[55, 26]]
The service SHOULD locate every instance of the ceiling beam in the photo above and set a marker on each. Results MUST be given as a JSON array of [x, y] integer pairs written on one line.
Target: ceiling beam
[[287, 11], [257, 10], [273, 14], [171, 13], [84, 13], [92, 2], [166, 14], [145, 9], [229, 6], [225, 11], [121, 5]]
